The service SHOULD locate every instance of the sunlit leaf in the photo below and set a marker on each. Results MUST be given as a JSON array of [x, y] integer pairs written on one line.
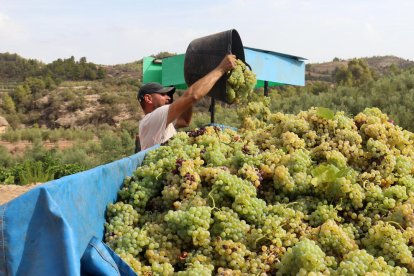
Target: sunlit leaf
[[325, 113]]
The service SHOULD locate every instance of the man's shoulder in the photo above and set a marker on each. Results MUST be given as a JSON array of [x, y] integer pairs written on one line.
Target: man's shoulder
[[156, 114], [158, 111]]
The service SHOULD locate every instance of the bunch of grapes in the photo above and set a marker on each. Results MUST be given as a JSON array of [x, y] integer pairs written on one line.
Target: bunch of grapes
[[240, 82], [191, 225], [303, 258], [387, 241], [334, 240], [318, 192], [228, 225], [360, 262]]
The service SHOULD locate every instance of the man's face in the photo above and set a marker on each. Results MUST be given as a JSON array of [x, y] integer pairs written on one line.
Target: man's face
[[159, 100]]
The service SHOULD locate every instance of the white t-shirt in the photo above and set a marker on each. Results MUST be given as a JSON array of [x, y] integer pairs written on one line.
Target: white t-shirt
[[153, 129]]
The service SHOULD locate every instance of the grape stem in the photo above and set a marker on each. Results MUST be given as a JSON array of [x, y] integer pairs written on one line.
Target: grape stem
[[218, 136], [396, 223], [258, 239], [290, 203], [212, 199], [377, 208]]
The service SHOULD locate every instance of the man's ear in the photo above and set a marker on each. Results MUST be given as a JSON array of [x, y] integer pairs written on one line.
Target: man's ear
[[148, 98]]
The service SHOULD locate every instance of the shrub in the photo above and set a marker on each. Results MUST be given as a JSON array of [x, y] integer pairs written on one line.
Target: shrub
[[31, 134], [6, 160], [11, 135]]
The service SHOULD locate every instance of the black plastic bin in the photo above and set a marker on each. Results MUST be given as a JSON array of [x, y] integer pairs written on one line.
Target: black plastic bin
[[205, 53]]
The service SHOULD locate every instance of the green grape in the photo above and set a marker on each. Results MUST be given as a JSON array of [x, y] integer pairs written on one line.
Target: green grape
[[304, 257], [317, 192], [228, 225], [385, 240], [323, 213], [240, 82], [191, 225], [230, 254], [334, 240], [359, 262], [403, 214], [252, 209]]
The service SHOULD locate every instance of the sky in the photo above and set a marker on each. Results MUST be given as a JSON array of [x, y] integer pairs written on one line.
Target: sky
[[121, 31]]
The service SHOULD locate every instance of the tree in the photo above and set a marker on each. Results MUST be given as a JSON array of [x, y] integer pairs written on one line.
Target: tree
[[361, 73], [101, 73], [161, 55], [22, 97], [90, 74], [343, 76], [36, 85], [394, 70], [8, 104], [356, 73]]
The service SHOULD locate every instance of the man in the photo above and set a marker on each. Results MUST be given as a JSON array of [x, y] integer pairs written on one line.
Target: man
[[162, 116]]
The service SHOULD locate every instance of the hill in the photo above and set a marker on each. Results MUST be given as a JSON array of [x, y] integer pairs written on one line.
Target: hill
[[379, 64], [78, 94]]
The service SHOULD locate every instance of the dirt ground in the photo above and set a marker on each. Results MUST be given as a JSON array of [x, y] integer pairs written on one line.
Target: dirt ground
[[9, 192], [19, 147]]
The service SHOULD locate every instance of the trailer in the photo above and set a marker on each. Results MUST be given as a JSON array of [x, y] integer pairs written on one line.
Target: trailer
[[57, 228]]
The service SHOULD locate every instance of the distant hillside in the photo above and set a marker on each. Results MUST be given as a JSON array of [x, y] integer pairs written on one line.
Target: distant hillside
[[69, 93], [380, 64], [15, 68]]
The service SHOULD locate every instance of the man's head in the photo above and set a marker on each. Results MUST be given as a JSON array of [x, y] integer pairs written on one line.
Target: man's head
[[153, 95]]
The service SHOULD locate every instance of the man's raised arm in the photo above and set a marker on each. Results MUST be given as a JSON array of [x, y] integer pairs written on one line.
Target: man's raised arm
[[199, 89]]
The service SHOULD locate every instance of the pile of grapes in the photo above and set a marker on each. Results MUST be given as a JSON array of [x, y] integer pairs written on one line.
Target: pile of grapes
[[317, 192], [240, 83]]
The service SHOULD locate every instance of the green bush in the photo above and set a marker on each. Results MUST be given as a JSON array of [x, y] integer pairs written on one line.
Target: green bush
[[36, 152], [6, 176], [6, 159], [79, 156], [78, 103], [131, 126], [47, 167], [84, 135], [67, 169], [109, 98], [31, 134], [11, 135], [114, 146], [33, 172]]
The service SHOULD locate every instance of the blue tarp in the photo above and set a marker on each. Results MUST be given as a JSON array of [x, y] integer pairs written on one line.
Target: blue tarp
[[57, 228]]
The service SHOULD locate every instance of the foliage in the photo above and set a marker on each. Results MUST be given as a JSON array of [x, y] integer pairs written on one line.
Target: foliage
[[45, 134], [69, 69], [14, 67], [161, 55], [37, 171], [8, 104], [5, 157], [356, 73], [39, 164]]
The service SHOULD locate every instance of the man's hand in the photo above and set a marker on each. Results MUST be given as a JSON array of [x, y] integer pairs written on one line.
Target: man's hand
[[198, 90], [228, 63]]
